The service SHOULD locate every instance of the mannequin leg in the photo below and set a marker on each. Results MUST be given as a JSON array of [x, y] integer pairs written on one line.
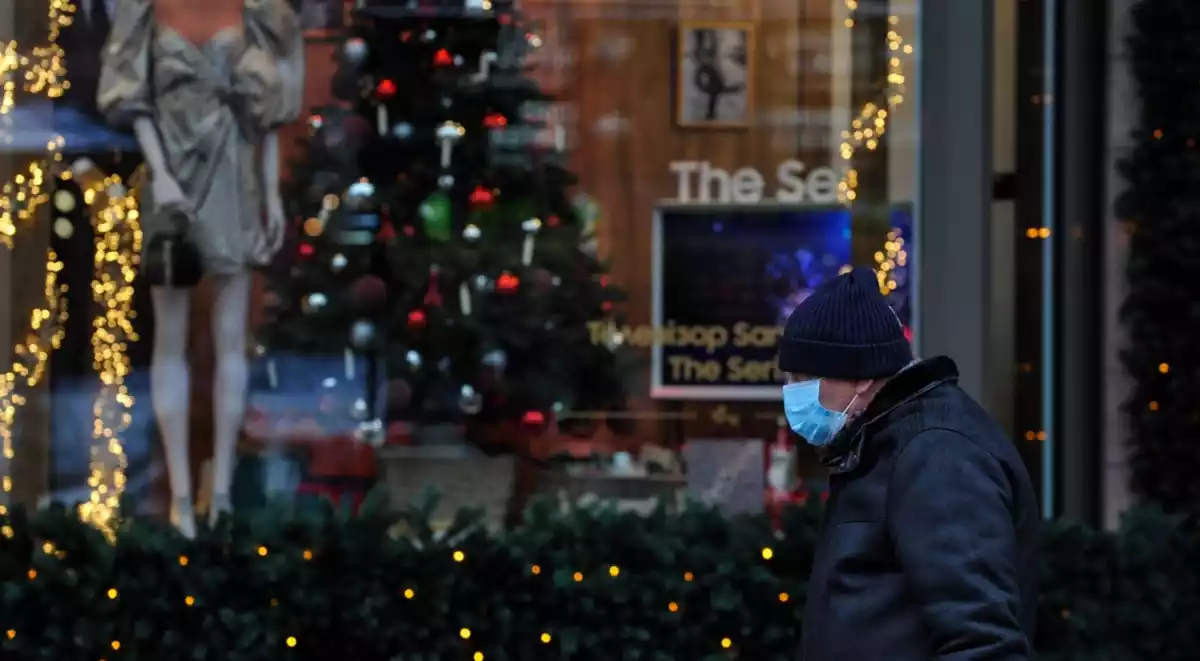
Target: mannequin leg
[[170, 391], [230, 309]]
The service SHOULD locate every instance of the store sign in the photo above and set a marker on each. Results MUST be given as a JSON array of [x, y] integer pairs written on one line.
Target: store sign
[[699, 182], [726, 278]]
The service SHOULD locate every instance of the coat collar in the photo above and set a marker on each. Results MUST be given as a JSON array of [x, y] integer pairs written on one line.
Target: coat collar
[[845, 452]]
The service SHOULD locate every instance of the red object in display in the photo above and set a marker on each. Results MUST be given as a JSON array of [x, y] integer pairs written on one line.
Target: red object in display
[[481, 196], [443, 58], [386, 89], [369, 293], [416, 319], [552, 221], [306, 250], [433, 297], [783, 487], [908, 333], [533, 418], [507, 283], [495, 120]]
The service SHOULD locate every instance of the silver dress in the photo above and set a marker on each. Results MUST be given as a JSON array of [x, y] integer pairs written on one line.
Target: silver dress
[[211, 103]]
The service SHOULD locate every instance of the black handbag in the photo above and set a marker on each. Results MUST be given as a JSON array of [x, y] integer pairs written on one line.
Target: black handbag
[[172, 259]]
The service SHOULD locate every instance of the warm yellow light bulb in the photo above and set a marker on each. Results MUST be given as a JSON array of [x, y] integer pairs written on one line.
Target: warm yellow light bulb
[[726, 643], [291, 641], [409, 593], [464, 633], [767, 553], [459, 556], [546, 638], [614, 571]]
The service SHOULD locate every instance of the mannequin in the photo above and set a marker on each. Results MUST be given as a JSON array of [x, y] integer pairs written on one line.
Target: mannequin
[[205, 86]]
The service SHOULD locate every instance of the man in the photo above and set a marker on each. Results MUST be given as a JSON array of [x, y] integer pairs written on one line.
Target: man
[[929, 545]]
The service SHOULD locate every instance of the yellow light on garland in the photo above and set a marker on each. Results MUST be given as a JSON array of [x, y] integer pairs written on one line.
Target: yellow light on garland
[[867, 129], [892, 257], [118, 246]]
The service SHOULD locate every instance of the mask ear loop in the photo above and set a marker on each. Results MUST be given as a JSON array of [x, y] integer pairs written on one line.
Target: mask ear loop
[[846, 410]]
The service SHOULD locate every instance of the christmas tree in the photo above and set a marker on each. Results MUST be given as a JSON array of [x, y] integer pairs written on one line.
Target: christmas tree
[[438, 230]]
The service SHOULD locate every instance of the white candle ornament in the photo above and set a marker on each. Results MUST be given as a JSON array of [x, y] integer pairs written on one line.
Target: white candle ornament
[[531, 228], [448, 134], [464, 299]]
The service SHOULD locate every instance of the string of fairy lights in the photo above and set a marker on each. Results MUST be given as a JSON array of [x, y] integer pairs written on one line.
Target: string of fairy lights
[[546, 637], [42, 72], [868, 127], [865, 132], [118, 244]]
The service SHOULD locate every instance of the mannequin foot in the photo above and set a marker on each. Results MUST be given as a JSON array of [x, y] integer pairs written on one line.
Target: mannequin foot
[[183, 517], [220, 505]]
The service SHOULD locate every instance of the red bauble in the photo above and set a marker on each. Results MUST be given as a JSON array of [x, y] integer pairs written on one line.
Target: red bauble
[[482, 196], [386, 231], [541, 280], [399, 395], [534, 420], [494, 120], [385, 90], [369, 293], [443, 58], [416, 319], [307, 250], [507, 283]]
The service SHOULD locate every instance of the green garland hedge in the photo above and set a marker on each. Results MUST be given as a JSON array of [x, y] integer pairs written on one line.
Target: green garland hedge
[[591, 584], [1160, 210]]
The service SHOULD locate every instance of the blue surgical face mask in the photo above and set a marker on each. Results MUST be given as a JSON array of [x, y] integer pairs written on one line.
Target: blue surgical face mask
[[808, 417]]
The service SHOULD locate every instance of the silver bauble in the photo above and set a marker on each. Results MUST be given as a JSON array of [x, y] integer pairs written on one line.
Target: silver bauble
[[354, 50], [469, 401], [496, 359], [362, 334], [358, 410], [359, 195], [413, 358], [338, 262], [370, 432], [315, 302]]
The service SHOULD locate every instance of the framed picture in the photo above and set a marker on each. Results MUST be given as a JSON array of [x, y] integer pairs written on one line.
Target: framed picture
[[322, 19], [714, 86]]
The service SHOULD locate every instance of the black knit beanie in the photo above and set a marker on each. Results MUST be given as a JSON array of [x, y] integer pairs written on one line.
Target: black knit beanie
[[845, 330]]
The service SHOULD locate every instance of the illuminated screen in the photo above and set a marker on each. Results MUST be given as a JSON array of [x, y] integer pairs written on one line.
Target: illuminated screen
[[726, 279]]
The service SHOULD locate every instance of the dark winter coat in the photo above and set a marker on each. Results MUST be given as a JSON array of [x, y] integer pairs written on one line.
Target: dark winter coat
[[929, 545]]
